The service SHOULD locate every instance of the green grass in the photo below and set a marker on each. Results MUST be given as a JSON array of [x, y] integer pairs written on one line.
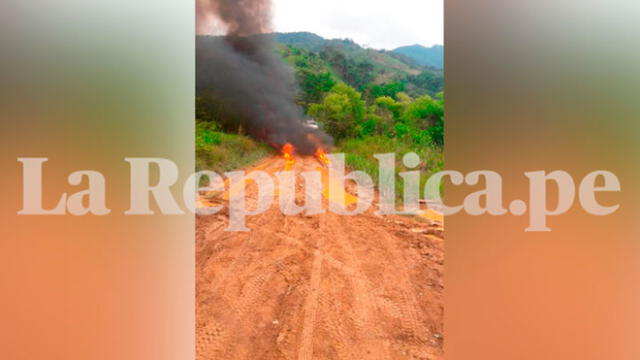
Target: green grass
[[221, 152], [359, 156]]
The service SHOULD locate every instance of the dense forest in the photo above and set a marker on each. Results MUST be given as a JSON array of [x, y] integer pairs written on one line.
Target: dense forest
[[370, 101]]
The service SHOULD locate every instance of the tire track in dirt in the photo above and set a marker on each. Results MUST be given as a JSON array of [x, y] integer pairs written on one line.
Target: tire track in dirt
[[225, 344], [242, 238], [311, 307], [412, 330], [365, 308], [317, 287]]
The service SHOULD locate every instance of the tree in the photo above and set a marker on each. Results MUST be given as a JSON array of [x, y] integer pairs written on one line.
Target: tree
[[425, 83], [391, 105], [426, 117], [361, 75], [341, 111], [314, 85], [390, 90]]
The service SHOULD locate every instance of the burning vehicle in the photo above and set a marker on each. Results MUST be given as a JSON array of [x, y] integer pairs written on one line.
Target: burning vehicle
[[243, 79]]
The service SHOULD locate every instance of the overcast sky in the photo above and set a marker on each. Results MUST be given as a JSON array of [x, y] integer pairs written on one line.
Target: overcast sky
[[380, 24]]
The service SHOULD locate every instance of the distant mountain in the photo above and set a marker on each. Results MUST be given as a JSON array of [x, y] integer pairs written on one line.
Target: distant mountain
[[425, 56], [362, 68], [305, 40], [414, 55], [320, 62]]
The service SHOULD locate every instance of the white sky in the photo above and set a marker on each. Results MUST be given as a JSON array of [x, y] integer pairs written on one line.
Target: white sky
[[380, 24]]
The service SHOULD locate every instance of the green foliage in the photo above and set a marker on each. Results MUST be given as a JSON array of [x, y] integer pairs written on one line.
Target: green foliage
[[373, 72], [388, 90], [426, 117], [206, 135], [368, 127], [370, 101], [341, 112], [314, 76], [424, 83], [390, 104], [355, 72], [315, 85], [305, 40], [220, 152], [359, 156]]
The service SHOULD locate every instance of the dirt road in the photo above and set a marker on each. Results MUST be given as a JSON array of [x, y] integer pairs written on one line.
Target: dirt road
[[319, 287]]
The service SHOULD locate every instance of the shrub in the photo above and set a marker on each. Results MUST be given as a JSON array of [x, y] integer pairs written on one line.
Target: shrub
[[220, 152], [359, 156], [341, 111]]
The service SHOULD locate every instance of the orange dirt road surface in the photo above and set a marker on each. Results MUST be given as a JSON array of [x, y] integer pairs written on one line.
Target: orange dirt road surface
[[318, 287]]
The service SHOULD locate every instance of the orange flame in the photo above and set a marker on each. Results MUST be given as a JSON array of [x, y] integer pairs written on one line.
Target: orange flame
[[287, 152], [320, 154]]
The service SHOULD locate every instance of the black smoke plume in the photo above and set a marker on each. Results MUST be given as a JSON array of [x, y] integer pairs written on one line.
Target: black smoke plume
[[244, 81]]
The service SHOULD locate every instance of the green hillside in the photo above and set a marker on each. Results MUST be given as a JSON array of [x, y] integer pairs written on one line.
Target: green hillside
[[425, 56], [319, 63], [369, 101]]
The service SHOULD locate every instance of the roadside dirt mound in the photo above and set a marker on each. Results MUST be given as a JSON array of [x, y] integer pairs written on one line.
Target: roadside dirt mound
[[319, 287]]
